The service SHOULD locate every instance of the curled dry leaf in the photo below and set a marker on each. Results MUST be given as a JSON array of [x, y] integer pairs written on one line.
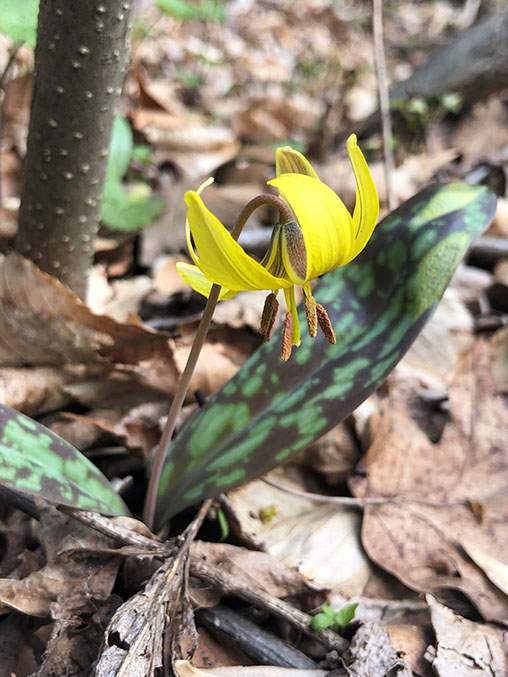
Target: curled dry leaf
[[320, 540], [452, 490], [465, 648], [43, 323]]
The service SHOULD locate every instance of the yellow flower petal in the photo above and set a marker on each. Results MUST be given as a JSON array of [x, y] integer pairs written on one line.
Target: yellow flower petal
[[195, 278], [221, 259], [290, 161], [325, 222], [367, 203]]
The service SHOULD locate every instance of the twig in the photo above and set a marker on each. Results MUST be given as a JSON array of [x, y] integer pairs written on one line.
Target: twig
[[183, 384], [262, 646], [384, 99], [352, 502], [300, 620]]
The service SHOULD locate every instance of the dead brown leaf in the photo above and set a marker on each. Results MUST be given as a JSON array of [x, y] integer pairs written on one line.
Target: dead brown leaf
[[36, 390], [75, 577], [43, 323], [420, 540]]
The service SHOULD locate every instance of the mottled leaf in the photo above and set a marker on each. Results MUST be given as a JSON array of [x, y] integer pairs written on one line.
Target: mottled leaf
[[271, 410], [36, 461]]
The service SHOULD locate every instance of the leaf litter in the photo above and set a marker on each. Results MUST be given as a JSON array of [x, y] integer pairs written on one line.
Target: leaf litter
[[430, 444]]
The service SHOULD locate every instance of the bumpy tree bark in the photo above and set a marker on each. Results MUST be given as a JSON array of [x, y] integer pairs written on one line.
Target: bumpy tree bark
[[80, 61]]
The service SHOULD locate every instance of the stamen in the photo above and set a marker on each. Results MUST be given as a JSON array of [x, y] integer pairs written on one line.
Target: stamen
[[311, 312], [287, 337], [325, 324], [268, 316]]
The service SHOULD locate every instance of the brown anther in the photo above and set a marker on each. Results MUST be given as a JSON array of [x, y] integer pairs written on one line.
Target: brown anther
[[268, 315], [287, 337], [311, 312], [325, 324]]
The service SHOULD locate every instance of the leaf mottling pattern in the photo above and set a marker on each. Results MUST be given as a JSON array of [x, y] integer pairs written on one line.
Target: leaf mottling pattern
[[377, 306]]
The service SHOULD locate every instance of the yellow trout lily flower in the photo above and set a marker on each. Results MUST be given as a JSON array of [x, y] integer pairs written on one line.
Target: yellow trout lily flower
[[321, 236]]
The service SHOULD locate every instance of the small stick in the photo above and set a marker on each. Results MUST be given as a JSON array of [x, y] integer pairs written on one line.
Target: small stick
[[384, 99], [298, 619]]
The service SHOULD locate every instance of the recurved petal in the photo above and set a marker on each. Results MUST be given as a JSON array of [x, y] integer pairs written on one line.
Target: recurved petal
[[290, 161], [195, 278], [367, 202], [221, 259], [325, 222]]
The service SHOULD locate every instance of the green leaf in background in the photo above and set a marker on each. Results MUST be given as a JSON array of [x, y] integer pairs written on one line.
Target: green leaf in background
[[207, 10], [132, 208], [120, 150], [36, 461], [18, 20], [270, 410]]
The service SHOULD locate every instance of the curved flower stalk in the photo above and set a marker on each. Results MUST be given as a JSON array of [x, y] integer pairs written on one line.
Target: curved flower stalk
[[319, 235]]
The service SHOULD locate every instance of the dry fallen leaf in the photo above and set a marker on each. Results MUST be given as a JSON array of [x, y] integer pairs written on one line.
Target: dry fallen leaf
[[79, 573], [118, 299], [465, 648], [36, 390], [186, 669], [320, 540], [43, 323], [419, 540]]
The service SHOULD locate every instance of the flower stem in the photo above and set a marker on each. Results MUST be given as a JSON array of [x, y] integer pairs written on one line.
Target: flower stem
[[183, 385]]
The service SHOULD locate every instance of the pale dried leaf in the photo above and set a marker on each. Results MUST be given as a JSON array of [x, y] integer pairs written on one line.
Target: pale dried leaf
[[496, 570], [186, 669], [499, 355], [465, 648], [447, 335], [36, 390], [321, 541], [117, 299]]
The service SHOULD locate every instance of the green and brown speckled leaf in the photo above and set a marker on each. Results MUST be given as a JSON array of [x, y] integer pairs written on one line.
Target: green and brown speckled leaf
[[36, 461], [270, 410]]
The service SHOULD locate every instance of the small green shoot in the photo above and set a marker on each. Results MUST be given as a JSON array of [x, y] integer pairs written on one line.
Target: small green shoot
[[335, 620], [223, 524]]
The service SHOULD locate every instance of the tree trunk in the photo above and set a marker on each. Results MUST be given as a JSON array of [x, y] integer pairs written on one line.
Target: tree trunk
[[80, 61]]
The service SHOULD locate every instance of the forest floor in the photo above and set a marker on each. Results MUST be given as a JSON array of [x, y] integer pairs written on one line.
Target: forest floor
[[214, 95]]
